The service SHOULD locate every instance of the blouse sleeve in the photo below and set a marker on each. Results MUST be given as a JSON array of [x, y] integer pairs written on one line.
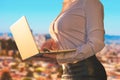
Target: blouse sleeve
[[94, 34]]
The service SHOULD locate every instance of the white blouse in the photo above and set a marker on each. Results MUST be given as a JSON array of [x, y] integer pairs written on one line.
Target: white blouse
[[80, 27]]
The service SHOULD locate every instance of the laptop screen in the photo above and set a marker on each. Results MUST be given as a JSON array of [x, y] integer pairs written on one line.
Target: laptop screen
[[24, 38]]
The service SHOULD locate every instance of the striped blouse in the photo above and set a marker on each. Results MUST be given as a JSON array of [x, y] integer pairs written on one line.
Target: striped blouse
[[80, 27]]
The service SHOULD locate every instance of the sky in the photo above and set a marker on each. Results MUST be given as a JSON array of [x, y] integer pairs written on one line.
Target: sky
[[40, 13]]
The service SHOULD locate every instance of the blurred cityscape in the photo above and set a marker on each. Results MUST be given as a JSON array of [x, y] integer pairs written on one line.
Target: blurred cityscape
[[13, 68]]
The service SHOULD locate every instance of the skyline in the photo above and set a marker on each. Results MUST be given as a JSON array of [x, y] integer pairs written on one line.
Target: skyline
[[41, 13]]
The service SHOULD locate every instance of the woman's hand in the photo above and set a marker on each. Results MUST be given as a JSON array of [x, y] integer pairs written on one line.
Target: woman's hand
[[50, 45]]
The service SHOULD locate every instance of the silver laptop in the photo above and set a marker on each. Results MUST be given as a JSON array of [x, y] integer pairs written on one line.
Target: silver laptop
[[25, 41]]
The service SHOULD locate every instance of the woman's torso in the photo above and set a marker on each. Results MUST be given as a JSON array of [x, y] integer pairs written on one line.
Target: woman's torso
[[68, 29]]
